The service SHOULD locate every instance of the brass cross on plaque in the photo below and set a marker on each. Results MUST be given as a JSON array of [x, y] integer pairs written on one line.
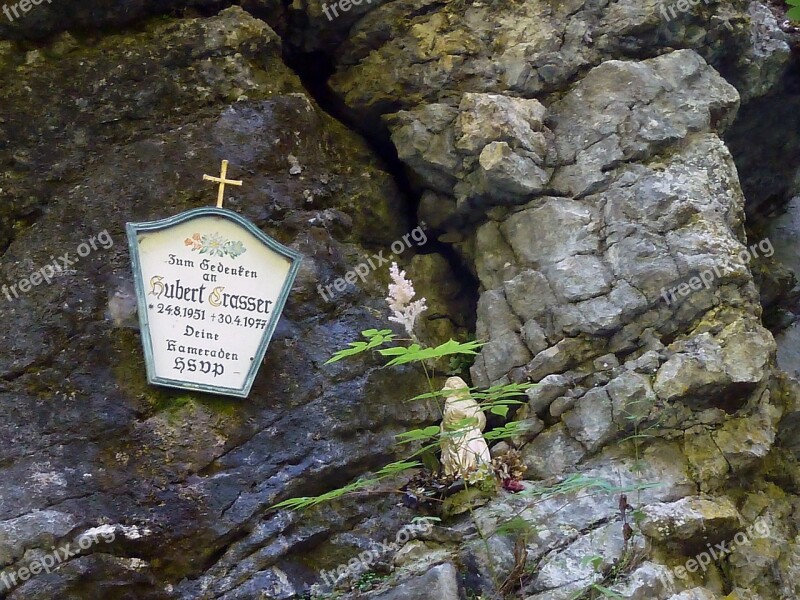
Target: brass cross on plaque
[[222, 181]]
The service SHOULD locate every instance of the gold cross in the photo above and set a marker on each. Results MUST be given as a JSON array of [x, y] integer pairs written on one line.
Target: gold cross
[[222, 181]]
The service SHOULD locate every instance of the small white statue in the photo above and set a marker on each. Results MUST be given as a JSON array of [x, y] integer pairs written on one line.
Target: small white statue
[[466, 450]]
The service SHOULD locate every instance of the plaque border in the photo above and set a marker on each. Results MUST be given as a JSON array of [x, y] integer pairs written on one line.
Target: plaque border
[[134, 229]]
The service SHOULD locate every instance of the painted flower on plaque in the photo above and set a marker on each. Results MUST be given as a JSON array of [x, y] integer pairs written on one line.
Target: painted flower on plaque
[[234, 249], [193, 241], [215, 245]]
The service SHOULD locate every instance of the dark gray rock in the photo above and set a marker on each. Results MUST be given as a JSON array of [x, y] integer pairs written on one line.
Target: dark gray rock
[[41, 18], [139, 117], [552, 452], [548, 389]]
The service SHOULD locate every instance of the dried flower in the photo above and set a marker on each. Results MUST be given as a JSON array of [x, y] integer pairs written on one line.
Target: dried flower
[[401, 293], [510, 468]]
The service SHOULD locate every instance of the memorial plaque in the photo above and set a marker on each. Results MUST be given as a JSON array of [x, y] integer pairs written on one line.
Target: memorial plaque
[[210, 288]]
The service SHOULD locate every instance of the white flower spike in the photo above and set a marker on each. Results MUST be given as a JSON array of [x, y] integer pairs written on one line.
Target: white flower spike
[[401, 293]]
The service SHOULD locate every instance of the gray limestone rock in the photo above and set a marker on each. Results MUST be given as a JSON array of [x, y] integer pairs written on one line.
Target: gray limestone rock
[[552, 452], [694, 520], [591, 421], [589, 191], [440, 583], [548, 389]]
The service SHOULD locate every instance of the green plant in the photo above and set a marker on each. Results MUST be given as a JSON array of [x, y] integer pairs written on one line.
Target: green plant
[[390, 470], [604, 591], [403, 354], [460, 363], [610, 575], [403, 351], [595, 560], [577, 486], [368, 580], [424, 442], [794, 12], [496, 399]]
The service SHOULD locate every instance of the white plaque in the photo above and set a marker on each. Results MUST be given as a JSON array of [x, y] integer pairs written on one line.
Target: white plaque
[[210, 287]]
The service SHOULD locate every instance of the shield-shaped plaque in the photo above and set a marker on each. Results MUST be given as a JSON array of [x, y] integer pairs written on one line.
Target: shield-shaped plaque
[[210, 287]]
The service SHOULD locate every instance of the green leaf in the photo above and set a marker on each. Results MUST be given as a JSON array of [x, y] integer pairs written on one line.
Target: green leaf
[[794, 14], [428, 395], [494, 394], [595, 560], [434, 447], [608, 593], [396, 351], [417, 354], [506, 431], [390, 470], [375, 339], [368, 333], [464, 424], [418, 434], [501, 410], [396, 467], [426, 519], [515, 525], [356, 348], [636, 437]]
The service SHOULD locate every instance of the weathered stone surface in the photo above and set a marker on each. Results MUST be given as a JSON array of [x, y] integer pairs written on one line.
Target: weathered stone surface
[[553, 452], [648, 581], [634, 127], [41, 18], [591, 421], [439, 583], [37, 528], [701, 367], [548, 389], [568, 566], [632, 399], [696, 520], [579, 277], [550, 232], [626, 255], [764, 62], [488, 561], [696, 594], [503, 329], [441, 51], [425, 141], [603, 220], [491, 150], [449, 300]]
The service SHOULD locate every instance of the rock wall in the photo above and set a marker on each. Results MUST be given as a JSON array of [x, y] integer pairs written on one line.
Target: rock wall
[[577, 162]]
